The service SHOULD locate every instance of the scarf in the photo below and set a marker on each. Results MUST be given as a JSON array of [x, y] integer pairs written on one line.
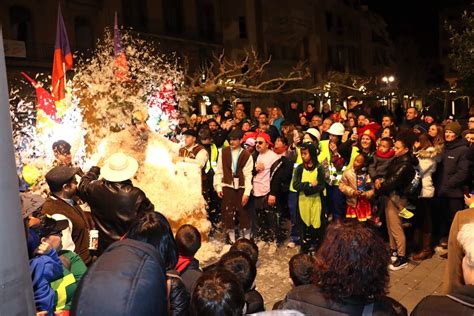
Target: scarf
[[281, 150], [183, 263], [387, 155]]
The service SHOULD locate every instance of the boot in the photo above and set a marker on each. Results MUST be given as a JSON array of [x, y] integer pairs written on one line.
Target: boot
[[417, 240], [427, 251]]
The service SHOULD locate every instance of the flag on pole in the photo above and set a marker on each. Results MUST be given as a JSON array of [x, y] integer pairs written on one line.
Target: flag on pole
[[44, 100], [62, 59], [120, 61]]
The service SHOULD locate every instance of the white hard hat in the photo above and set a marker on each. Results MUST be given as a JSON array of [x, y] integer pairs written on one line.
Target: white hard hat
[[336, 129], [314, 132]]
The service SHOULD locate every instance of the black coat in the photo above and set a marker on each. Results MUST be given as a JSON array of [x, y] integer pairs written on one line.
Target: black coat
[[178, 296], [458, 303], [114, 205], [121, 281], [454, 170], [399, 175], [281, 174], [309, 300]]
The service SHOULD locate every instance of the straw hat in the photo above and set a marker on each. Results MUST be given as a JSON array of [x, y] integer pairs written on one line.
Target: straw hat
[[119, 167]]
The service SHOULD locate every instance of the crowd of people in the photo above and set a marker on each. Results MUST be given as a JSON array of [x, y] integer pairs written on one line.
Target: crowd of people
[[337, 184]]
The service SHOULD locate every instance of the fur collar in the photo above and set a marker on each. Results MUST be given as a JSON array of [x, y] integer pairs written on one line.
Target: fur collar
[[430, 152]]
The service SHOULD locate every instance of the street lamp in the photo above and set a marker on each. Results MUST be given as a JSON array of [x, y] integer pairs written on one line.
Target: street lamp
[[388, 80]]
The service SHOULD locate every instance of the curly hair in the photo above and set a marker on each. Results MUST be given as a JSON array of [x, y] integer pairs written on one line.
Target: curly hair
[[352, 262]]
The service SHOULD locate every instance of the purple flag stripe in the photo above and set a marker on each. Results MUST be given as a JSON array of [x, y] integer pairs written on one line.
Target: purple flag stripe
[[62, 42], [117, 39]]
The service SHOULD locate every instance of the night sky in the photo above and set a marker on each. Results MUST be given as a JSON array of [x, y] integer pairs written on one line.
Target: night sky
[[415, 18]]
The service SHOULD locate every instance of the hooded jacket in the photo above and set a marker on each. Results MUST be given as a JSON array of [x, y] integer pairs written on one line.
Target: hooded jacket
[[45, 269], [427, 165], [459, 302], [453, 171], [128, 279]]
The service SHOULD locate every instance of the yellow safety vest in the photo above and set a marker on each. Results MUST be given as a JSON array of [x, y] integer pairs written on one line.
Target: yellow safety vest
[[212, 161], [326, 155]]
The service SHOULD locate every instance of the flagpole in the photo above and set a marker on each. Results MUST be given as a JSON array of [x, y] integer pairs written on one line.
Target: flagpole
[[16, 291]]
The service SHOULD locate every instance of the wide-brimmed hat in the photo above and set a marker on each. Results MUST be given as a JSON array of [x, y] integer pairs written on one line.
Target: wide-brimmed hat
[[119, 167]]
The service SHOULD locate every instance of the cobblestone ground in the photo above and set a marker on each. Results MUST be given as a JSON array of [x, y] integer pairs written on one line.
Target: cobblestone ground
[[408, 286]]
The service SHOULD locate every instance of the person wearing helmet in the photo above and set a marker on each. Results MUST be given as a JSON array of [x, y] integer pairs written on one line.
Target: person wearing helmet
[[336, 157]]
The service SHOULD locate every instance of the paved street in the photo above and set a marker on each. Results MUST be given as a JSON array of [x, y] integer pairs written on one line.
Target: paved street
[[408, 286]]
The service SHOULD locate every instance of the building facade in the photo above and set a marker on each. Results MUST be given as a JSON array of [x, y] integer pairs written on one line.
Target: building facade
[[329, 35]]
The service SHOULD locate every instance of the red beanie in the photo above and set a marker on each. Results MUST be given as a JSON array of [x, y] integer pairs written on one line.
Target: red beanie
[[266, 137]]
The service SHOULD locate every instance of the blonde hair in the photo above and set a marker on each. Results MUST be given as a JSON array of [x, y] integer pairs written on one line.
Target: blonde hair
[[466, 240]]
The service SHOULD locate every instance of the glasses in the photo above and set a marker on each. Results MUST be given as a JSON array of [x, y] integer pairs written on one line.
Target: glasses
[[260, 142]]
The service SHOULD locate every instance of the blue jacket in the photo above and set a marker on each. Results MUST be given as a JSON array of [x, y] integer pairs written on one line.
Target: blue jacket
[[45, 269]]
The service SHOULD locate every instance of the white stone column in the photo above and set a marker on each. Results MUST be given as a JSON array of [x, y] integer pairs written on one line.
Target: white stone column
[[16, 292]]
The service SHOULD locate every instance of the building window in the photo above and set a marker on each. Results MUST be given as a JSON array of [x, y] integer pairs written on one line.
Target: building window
[[20, 23], [135, 14], [242, 27], [206, 20], [83, 30], [329, 21], [173, 15]]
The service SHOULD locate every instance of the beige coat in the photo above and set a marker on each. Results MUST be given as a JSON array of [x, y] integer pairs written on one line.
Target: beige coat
[[453, 277], [348, 186]]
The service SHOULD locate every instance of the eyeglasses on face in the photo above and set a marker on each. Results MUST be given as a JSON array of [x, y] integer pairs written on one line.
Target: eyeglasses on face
[[260, 142]]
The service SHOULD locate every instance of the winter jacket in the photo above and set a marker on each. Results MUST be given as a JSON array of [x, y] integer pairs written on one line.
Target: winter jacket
[[282, 172], [348, 187], [309, 300], [459, 302], [45, 269], [427, 165], [453, 171], [178, 296], [114, 205], [128, 279], [379, 166], [400, 173], [78, 224]]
